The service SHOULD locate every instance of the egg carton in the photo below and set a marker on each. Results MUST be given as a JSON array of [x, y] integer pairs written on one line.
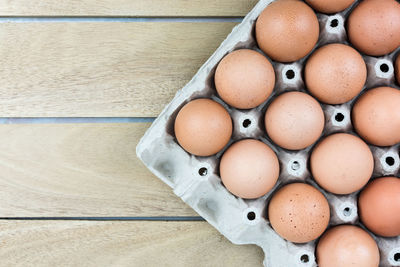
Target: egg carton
[[196, 179]]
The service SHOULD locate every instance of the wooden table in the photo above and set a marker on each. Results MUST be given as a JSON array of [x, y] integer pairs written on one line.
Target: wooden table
[[80, 82]]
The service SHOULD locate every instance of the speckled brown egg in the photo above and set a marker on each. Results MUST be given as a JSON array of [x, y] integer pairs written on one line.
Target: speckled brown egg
[[342, 163], [299, 212], [330, 6], [287, 30], [374, 25], [347, 246], [294, 120], [249, 169], [335, 73], [376, 116], [244, 79], [379, 206], [397, 69], [203, 127]]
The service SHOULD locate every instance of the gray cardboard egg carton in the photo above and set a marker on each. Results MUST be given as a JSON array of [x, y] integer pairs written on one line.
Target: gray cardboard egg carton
[[195, 179]]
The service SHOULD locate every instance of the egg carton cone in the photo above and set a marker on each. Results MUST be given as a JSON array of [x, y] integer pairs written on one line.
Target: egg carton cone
[[196, 179]]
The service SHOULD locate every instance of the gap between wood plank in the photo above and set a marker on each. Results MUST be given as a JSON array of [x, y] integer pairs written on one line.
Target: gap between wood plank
[[160, 218], [5, 19], [63, 120]]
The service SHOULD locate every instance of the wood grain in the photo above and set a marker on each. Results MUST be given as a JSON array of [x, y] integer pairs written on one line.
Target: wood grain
[[147, 8], [83, 243], [100, 69], [75, 170]]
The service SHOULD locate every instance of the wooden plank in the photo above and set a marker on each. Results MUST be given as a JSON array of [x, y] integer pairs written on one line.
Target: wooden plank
[[79, 170], [89, 243], [100, 69], [148, 8]]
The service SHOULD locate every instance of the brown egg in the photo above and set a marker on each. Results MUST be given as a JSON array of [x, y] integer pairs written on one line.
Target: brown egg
[[397, 66], [203, 127], [342, 163], [379, 206], [374, 26], [347, 246], [294, 120], [249, 169], [299, 212], [287, 30], [376, 116], [330, 6], [244, 79], [335, 73]]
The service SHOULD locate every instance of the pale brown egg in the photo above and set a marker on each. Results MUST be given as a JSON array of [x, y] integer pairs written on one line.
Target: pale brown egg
[[379, 206], [342, 163], [335, 73], [244, 79], [294, 120], [374, 25], [299, 212], [397, 67], [330, 6], [376, 116], [287, 30], [249, 169], [347, 246], [203, 127]]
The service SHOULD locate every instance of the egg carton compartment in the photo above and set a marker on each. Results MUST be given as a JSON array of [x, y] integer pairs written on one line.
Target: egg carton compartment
[[196, 179]]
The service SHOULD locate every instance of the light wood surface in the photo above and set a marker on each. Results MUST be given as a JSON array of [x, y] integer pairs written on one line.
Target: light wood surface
[[76, 170], [100, 69], [84, 243], [69, 67], [125, 7]]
